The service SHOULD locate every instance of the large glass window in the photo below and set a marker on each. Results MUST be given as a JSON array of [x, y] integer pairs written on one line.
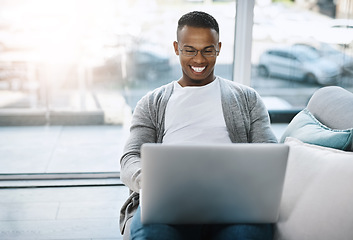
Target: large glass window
[[300, 46], [63, 57], [88, 62]]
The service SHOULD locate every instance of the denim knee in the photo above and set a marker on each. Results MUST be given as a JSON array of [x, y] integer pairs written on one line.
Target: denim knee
[[243, 232], [141, 231]]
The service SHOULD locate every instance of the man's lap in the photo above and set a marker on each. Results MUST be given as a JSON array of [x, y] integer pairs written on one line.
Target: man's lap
[[211, 231]]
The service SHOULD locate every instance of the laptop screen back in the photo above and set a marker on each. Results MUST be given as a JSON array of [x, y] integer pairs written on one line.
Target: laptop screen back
[[211, 184]]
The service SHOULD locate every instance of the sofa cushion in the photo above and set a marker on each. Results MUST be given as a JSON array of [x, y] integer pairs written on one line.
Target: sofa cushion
[[318, 196], [305, 127], [333, 107]]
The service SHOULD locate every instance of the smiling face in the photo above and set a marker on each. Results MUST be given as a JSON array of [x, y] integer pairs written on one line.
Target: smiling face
[[197, 70]]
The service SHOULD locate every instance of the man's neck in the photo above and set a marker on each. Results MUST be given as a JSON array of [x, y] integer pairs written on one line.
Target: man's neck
[[185, 81]]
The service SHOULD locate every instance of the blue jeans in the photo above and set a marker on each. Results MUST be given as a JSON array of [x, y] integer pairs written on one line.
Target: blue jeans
[[140, 231]]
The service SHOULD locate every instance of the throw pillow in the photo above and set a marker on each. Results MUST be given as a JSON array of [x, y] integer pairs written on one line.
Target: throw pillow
[[317, 197], [305, 127]]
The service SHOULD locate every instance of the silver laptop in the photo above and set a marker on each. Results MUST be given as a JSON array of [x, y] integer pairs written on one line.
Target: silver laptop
[[212, 184]]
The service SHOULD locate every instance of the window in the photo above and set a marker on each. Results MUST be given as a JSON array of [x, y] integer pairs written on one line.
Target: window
[[298, 48], [88, 62]]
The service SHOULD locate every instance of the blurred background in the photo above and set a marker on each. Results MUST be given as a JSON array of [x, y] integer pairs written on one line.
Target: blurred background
[[88, 62]]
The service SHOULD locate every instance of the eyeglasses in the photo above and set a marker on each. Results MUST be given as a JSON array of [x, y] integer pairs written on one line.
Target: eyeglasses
[[192, 52]]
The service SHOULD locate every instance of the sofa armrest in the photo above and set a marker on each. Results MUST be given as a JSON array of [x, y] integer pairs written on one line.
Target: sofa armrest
[[333, 106]]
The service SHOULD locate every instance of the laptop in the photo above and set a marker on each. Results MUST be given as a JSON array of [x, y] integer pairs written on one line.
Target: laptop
[[212, 184]]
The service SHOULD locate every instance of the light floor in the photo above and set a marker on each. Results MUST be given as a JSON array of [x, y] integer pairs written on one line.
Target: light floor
[[79, 213]]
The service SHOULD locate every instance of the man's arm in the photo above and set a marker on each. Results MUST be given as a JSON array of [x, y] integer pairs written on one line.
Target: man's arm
[[260, 126], [142, 131]]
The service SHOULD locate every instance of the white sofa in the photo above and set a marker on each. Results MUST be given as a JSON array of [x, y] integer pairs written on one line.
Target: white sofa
[[317, 201]]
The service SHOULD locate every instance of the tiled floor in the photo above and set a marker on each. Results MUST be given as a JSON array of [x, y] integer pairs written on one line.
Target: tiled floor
[[43, 149], [62, 213], [79, 213], [59, 213]]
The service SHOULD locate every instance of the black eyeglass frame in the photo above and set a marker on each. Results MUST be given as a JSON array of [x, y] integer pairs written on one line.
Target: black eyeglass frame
[[197, 51]]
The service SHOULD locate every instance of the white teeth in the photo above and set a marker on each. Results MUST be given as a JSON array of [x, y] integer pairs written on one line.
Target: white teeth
[[198, 69]]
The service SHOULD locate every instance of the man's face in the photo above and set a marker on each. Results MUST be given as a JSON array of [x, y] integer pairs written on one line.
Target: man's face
[[197, 70]]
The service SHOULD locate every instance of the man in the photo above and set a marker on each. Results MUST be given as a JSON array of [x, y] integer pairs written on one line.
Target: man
[[199, 107]]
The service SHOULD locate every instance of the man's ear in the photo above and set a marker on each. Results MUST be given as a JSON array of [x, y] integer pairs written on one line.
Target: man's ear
[[176, 47], [219, 48]]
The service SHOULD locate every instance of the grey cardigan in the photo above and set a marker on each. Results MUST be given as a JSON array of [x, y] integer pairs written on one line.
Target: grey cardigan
[[245, 115]]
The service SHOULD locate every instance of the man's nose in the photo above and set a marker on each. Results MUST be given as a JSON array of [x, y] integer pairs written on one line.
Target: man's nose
[[199, 57]]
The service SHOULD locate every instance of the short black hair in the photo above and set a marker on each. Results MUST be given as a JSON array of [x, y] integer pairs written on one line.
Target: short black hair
[[198, 19]]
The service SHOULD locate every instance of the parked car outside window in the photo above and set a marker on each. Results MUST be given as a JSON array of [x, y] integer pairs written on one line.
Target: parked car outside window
[[332, 53], [299, 63]]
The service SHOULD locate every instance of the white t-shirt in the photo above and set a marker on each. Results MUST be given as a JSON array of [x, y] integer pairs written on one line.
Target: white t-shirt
[[195, 115]]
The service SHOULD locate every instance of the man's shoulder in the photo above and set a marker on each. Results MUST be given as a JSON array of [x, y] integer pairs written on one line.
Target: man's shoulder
[[155, 96], [160, 90], [235, 86]]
